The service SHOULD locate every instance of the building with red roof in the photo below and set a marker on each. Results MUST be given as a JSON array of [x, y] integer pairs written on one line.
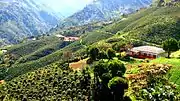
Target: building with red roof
[[144, 52]]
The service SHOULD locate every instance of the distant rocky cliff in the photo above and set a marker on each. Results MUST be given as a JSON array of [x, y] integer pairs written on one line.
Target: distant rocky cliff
[[100, 10]]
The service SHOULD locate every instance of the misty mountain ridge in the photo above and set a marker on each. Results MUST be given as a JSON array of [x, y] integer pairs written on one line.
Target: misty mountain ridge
[[100, 10], [22, 18]]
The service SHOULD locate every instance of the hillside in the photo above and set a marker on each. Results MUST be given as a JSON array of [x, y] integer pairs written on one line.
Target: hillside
[[39, 69], [136, 28], [151, 25], [22, 18]]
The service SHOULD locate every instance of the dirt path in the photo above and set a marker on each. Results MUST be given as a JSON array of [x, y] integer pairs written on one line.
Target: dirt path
[[78, 65], [2, 81]]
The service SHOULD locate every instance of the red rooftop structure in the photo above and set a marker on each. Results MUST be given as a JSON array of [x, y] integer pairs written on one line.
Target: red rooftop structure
[[144, 52], [64, 38]]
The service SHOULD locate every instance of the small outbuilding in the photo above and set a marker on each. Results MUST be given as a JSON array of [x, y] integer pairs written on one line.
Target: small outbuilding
[[71, 38], [150, 52], [60, 36], [65, 38]]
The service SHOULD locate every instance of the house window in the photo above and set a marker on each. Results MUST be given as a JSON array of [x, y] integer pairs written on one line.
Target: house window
[[154, 56], [145, 54]]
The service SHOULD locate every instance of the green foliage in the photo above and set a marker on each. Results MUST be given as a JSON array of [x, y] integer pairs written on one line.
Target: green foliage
[[151, 77], [154, 30], [120, 25], [117, 81], [152, 25], [175, 54], [109, 83], [27, 48], [160, 89], [117, 86], [95, 36], [42, 52], [33, 54], [170, 45], [116, 68], [102, 55], [133, 70], [110, 53], [19, 69], [174, 74], [54, 82], [102, 45], [93, 53], [117, 46], [7, 60], [3, 72]]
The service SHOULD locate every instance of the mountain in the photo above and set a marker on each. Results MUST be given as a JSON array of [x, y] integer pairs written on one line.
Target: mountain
[[100, 10], [40, 69], [22, 18]]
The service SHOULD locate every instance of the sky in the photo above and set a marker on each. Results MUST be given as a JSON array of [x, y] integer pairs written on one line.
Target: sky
[[66, 7]]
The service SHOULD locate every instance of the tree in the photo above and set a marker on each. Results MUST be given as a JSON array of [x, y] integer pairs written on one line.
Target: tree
[[94, 53], [104, 72], [170, 45], [111, 53], [117, 85], [102, 55], [67, 55], [117, 68]]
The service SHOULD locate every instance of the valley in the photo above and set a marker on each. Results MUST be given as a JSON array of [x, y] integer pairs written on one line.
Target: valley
[[91, 61]]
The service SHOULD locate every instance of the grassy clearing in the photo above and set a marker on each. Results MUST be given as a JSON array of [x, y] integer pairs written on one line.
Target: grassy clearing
[[176, 54], [174, 74], [1, 52]]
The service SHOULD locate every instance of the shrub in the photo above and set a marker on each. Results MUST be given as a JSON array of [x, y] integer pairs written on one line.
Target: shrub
[[111, 53]]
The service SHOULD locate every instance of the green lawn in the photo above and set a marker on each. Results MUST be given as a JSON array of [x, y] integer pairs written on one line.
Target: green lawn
[[174, 72], [1, 52], [176, 54]]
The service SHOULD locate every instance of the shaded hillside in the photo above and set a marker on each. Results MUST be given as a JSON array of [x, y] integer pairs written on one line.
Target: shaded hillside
[[136, 29], [151, 25], [22, 18], [40, 70], [34, 58], [80, 30], [156, 27]]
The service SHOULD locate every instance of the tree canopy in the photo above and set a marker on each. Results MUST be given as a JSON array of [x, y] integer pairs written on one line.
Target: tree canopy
[[170, 45]]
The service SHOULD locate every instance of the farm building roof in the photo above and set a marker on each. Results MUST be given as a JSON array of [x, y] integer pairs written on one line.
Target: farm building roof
[[59, 36], [149, 49], [71, 38]]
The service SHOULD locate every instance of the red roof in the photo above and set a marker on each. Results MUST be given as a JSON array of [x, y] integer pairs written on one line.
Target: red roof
[[71, 38]]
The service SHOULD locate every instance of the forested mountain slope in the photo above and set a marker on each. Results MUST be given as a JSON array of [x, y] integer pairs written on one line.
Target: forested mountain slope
[[22, 18], [40, 68], [151, 25]]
